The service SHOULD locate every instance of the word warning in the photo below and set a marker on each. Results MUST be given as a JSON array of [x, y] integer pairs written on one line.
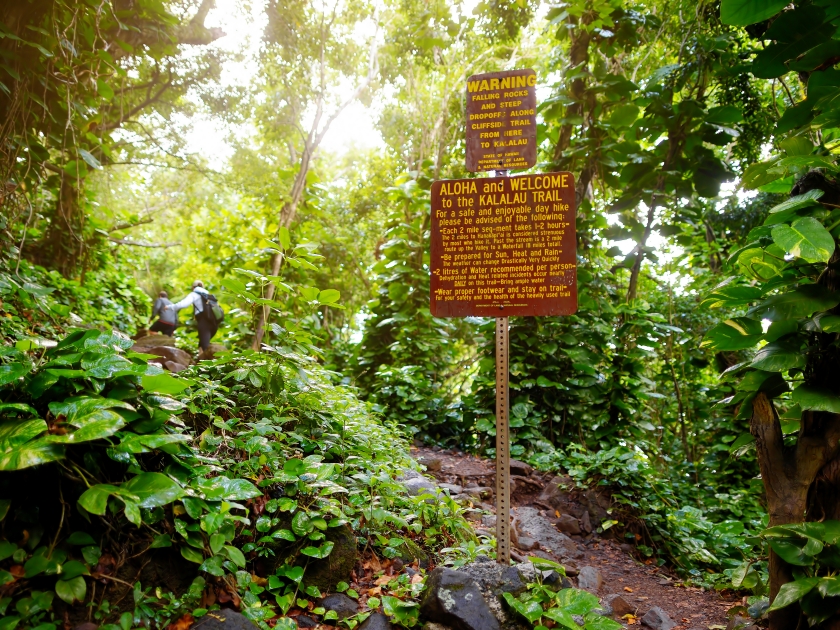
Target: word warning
[[504, 246], [502, 120]]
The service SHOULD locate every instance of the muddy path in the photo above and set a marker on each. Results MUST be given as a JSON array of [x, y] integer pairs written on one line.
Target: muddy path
[[640, 585]]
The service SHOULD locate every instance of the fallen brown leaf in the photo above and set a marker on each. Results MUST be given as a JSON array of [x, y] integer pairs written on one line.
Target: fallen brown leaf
[[181, 624], [382, 580]]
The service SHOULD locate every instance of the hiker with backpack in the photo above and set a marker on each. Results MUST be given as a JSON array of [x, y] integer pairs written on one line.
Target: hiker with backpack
[[167, 318], [206, 311]]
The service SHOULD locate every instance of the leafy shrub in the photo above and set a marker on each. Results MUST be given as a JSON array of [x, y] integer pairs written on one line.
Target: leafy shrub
[[705, 540], [243, 469]]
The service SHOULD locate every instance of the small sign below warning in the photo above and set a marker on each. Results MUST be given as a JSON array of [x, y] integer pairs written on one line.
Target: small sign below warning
[[504, 246], [502, 120]]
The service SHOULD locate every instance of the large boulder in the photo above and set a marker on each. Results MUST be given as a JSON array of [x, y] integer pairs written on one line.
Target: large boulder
[[568, 524], [529, 522], [454, 598], [520, 468], [170, 353], [224, 619], [555, 493], [493, 580], [151, 341]]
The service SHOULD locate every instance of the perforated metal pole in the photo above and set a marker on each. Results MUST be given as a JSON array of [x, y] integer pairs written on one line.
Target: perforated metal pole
[[502, 442]]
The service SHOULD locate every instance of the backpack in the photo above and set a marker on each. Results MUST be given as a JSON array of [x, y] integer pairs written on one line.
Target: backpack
[[211, 308]]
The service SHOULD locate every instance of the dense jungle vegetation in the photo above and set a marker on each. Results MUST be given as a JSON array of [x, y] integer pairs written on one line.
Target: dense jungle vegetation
[[287, 164]]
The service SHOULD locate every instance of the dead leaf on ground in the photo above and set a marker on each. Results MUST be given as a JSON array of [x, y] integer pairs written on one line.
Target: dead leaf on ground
[[416, 578], [382, 580], [376, 591], [181, 624]]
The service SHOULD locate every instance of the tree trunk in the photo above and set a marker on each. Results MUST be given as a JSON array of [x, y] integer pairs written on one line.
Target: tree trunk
[[789, 474], [578, 55]]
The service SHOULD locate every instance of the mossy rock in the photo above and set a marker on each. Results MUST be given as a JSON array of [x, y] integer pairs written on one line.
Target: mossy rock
[[411, 551], [338, 566]]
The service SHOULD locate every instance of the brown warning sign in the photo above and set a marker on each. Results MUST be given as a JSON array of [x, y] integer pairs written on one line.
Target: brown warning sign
[[503, 246], [501, 120]]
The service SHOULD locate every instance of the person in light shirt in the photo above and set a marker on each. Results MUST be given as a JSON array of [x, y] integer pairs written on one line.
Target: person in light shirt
[[206, 323], [167, 318]]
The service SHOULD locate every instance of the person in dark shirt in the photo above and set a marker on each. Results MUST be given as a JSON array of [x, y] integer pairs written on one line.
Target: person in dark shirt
[[167, 317]]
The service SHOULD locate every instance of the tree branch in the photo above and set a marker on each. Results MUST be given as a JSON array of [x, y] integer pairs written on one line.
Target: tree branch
[[125, 226], [121, 241]]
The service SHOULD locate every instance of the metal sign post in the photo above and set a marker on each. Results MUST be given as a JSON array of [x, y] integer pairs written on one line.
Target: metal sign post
[[502, 441], [503, 244]]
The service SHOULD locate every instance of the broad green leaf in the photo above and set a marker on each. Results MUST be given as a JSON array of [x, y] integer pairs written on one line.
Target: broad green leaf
[[830, 586], [71, 590], [624, 115], [88, 157], [301, 524], [829, 323], [226, 489], [285, 237], [724, 115], [597, 622], [294, 467], [105, 90], [93, 426], [805, 238], [746, 12], [80, 538], [793, 592], [77, 406], [799, 201], [576, 601], [731, 296], [193, 555], [95, 498], [760, 264], [284, 534], [739, 333], [217, 541], [12, 372], [309, 293], [816, 399], [31, 454], [163, 540], [791, 553], [562, 617], [153, 489], [5, 408], [165, 384], [328, 296], [531, 610], [803, 301], [779, 356], [235, 555], [13, 433], [319, 552], [73, 568], [105, 366]]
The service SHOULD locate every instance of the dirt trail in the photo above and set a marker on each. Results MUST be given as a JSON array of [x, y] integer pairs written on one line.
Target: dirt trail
[[642, 586]]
